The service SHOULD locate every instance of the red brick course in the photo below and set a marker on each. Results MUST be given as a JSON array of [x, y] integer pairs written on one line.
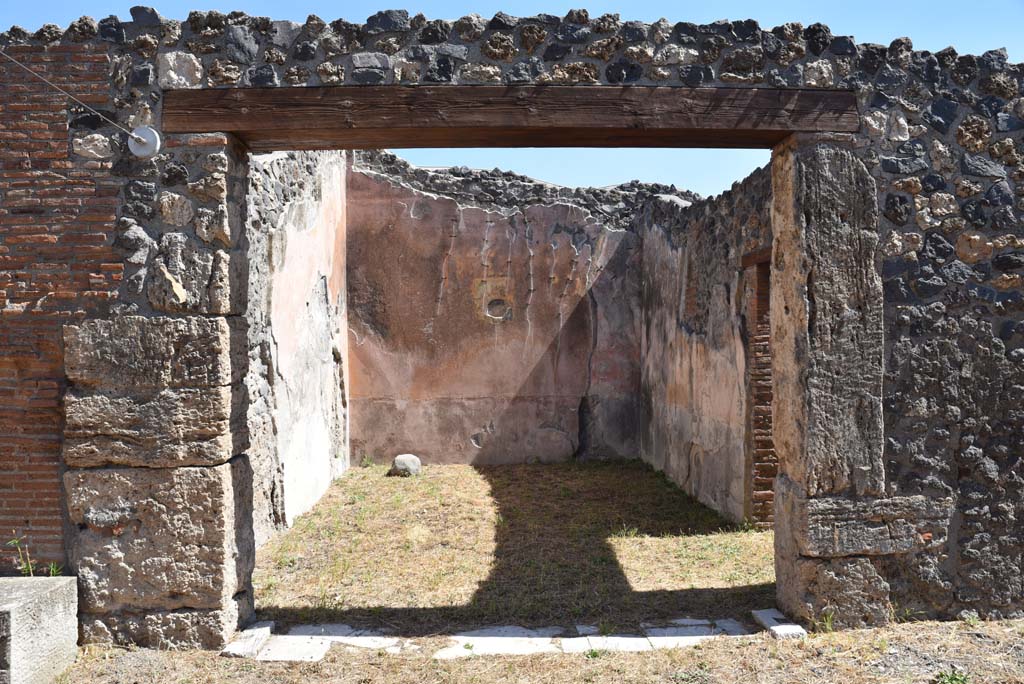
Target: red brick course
[[57, 263], [764, 462]]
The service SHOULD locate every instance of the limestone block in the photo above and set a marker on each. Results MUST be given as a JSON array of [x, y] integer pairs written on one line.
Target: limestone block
[[38, 628], [188, 277], [150, 540], [132, 353], [94, 146], [175, 209], [213, 225], [179, 69], [174, 427]]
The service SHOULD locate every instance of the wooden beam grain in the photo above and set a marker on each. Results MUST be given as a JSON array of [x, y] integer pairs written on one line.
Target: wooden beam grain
[[350, 117]]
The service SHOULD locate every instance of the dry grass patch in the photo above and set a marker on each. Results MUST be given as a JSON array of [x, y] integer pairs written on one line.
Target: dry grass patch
[[462, 546], [916, 653]]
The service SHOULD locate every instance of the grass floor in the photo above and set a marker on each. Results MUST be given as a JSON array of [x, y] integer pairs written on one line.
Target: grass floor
[[533, 545]]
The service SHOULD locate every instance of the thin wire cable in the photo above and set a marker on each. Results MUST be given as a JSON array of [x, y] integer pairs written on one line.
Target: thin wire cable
[[137, 138]]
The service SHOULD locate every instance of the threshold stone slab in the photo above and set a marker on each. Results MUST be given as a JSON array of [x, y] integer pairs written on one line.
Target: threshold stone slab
[[294, 649], [778, 624], [505, 640], [344, 634], [249, 641]]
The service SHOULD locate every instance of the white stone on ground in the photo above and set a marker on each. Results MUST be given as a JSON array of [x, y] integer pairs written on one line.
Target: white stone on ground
[[309, 643], [506, 640], [405, 465], [249, 641], [344, 634], [295, 649], [731, 627], [778, 624], [679, 636], [620, 642]]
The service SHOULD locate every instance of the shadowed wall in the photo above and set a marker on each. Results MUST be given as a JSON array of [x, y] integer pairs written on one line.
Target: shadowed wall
[[489, 334]]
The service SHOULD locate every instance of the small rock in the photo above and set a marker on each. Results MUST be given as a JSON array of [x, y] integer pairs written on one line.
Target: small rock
[[405, 465], [145, 16], [175, 209], [95, 146], [179, 70]]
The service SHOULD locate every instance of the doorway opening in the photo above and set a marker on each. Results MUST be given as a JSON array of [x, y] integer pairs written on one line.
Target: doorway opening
[[545, 351]]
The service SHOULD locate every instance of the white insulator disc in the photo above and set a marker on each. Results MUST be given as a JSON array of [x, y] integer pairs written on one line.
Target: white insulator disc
[[144, 142]]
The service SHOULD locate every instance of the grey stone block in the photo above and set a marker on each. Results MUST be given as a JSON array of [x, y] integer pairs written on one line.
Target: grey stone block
[[163, 555], [168, 429], [132, 353], [38, 628]]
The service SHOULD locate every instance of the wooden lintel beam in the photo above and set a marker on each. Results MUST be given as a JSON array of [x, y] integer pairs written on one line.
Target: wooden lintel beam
[[497, 116]]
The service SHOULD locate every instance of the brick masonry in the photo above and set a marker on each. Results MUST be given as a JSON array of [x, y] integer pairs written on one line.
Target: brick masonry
[[57, 264], [764, 462]]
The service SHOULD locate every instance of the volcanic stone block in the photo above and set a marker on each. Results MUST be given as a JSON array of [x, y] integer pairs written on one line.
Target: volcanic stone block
[[38, 628], [155, 541], [833, 526], [173, 427], [132, 353], [828, 348], [210, 629]]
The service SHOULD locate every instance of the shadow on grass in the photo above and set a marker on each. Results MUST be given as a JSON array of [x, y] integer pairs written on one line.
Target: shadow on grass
[[561, 532]]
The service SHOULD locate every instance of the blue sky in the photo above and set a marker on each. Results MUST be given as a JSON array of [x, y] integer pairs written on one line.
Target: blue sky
[[970, 27]]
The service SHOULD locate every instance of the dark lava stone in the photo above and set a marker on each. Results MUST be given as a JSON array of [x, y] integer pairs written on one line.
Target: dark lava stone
[[933, 182], [694, 75], [388, 21], [941, 115], [145, 16], [263, 76], [624, 71], [142, 75], [436, 31], [897, 208], [502, 22], [818, 37], [843, 45], [140, 191], [555, 52], [872, 57], [633, 32], [440, 70], [174, 174], [111, 30], [306, 50]]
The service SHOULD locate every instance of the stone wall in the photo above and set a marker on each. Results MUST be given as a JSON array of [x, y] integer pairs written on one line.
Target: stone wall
[[697, 340], [934, 268], [494, 319], [297, 332]]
